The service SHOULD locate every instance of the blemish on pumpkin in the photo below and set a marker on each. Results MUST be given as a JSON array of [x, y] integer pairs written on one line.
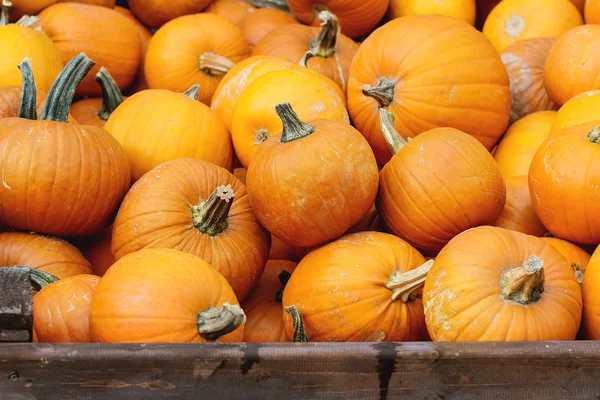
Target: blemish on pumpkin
[[515, 25], [519, 86]]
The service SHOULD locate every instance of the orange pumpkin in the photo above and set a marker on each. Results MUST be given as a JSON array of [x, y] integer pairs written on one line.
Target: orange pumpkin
[[101, 3], [261, 22], [342, 187], [580, 4], [371, 221], [199, 208], [145, 36], [513, 20], [195, 49], [105, 35], [164, 296], [518, 214], [461, 9], [19, 8], [580, 109], [10, 101], [233, 10], [510, 285], [155, 126], [98, 252], [61, 310], [394, 69], [410, 200], [240, 173], [362, 287], [154, 13], [577, 257], [591, 298], [592, 12]]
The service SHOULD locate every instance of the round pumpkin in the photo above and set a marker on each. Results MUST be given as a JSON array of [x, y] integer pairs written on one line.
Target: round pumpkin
[[513, 20], [156, 125], [103, 34], [591, 297], [261, 22], [394, 69], [592, 12], [145, 36], [154, 13], [513, 287], [580, 109], [363, 287], [577, 257], [164, 296], [461, 9], [97, 251], [410, 199], [342, 185], [518, 214], [61, 310], [233, 10], [194, 49]]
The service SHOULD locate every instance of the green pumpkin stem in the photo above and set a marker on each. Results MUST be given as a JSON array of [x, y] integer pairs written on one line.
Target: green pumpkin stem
[[216, 322], [193, 92], [61, 93], [594, 135], [298, 322], [27, 108], [326, 44], [391, 136], [39, 279], [284, 277], [293, 127], [213, 64], [111, 94], [382, 92], [407, 285], [4, 15], [210, 216], [524, 284]]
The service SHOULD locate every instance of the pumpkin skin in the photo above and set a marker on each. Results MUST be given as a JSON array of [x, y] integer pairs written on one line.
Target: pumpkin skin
[[10, 100], [145, 36], [513, 20], [172, 60], [48, 254], [239, 252], [580, 109], [524, 60], [101, 3], [103, 34], [424, 97], [259, 23], [154, 296], [98, 252], [61, 310], [461, 9], [154, 13], [592, 12], [340, 291], [233, 10], [28, 7], [577, 257], [520, 142], [155, 126], [476, 310], [591, 297], [518, 214]]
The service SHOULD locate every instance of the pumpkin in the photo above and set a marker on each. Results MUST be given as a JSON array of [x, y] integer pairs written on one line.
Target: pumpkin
[[10, 100], [97, 251], [591, 298], [518, 214], [357, 18], [48, 254], [261, 22], [145, 36], [240, 173], [524, 60], [575, 55], [95, 111], [410, 200], [363, 287], [520, 142], [461, 9], [341, 189], [61, 310], [72, 176], [195, 49], [592, 12], [515, 287], [233, 10], [254, 119], [563, 180], [394, 69], [264, 321], [164, 296], [102, 3], [199, 208], [577, 257], [154, 13], [580, 109], [156, 125], [323, 49]]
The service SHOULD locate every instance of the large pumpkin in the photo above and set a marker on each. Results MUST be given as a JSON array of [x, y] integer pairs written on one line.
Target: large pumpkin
[[195, 49], [233, 10], [577, 257], [518, 213], [258, 24], [342, 185], [395, 68], [154, 13], [512, 287], [580, 109], [164, 296], [363, 287], [461, 9]]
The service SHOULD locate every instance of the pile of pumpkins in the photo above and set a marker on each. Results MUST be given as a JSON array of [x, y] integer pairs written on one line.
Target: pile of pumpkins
[[374, 170]]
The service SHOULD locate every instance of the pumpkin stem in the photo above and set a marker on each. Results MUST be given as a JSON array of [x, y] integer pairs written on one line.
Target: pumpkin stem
[[210, 216], [594, 135], [326, 44], [39, 279], [61, 93], [578, 272], [29, 21], [260, 135], [383, 92], [298, 322], [293, 127], [407, 285], [214, 64], [193, 92], [524, 284], [111, 94], [548, 235], [284, 276], [27, 108], [4, 15], [391, 136], [216, 322]]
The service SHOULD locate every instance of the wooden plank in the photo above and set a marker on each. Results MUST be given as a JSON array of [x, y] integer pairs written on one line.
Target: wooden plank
[[431, 371], [16, 307]]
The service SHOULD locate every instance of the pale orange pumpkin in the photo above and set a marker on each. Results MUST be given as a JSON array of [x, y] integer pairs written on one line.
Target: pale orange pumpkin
[[233, 10], [518, 213], [461, 9], [261, 22], [577, 257]]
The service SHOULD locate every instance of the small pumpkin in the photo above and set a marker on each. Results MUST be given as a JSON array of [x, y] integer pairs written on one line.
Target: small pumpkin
[[261, 22], [154, 13], [97, 251], [591, 297], [461, 9], [233, 10], [145, 36], [410, 200], [194, 49], [580, 109], [592, 12], [342, 187], [577, 257], [518, 214], [164, 296]]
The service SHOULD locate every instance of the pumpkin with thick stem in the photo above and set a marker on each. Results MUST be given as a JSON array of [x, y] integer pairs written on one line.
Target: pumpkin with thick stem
[[233, 10], [510, 283], [154, 13], [195, 49], [394, 69], [199, 208], [258, 24], [580, 109], [145, 36], [10, 96], [61, 169], [97, 251], [96, 111], [61, 310], [164, 296], [362, 287], [410, 200], [461, 9], [577, 257], [518, 213], [342, 185]]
